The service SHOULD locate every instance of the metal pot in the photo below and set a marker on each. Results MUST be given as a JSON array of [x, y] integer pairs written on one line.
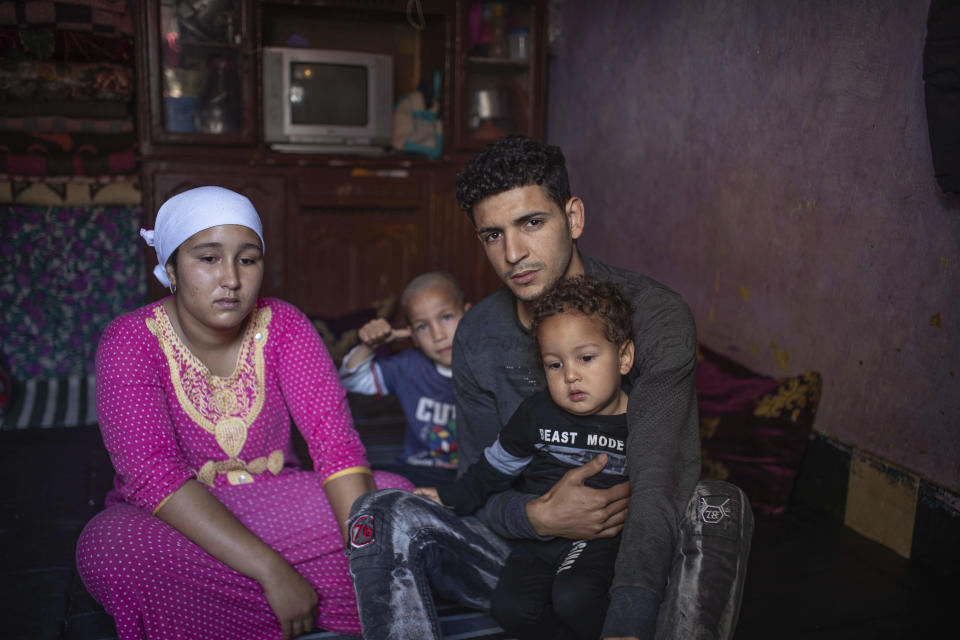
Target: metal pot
[[488, 104]]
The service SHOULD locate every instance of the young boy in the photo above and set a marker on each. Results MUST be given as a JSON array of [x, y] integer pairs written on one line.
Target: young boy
[[432, 305], [558, 588]]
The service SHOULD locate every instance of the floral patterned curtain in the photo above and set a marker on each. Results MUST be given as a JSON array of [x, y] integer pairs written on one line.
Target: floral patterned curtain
[[65, 272]]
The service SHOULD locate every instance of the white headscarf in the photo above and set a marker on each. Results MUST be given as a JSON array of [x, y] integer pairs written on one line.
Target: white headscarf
[[195, 210]]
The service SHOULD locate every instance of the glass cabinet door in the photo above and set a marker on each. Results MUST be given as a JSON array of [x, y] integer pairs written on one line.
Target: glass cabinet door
[[204, 80], [502, 67]]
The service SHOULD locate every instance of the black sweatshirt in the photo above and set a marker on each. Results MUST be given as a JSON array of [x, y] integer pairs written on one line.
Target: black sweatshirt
[[540, 443]]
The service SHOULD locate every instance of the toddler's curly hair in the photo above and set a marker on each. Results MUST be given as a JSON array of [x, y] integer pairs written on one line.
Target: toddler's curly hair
[[590, 297]]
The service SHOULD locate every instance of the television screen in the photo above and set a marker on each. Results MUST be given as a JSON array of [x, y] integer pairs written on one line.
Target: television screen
[[328, 94]]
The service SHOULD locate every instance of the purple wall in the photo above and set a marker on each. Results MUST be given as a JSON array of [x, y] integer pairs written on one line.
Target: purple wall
[[771, 162]]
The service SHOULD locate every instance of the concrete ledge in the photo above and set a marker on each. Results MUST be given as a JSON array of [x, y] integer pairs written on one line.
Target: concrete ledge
[[892, 506]]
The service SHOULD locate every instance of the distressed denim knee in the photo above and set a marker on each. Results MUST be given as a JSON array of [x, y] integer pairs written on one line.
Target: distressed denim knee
[[402, 547], [705, 587]]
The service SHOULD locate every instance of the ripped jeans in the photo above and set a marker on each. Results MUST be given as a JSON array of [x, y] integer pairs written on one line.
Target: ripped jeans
[[401, 545]]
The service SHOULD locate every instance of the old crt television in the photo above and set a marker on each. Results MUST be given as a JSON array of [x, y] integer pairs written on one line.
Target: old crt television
[[326, 101]]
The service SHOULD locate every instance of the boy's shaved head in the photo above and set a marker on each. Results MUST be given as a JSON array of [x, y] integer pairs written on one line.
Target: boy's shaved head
[[429, 280]]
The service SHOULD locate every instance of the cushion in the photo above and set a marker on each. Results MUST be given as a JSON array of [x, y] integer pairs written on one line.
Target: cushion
[[456, 621], [754, 428], [51, 402], [6, 386], [339, 333]]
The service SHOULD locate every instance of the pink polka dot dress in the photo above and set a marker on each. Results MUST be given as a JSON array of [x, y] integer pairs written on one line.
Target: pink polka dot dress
[[166, 419]]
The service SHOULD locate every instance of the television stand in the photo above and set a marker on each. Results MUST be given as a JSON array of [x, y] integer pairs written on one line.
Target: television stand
[[349, 149]]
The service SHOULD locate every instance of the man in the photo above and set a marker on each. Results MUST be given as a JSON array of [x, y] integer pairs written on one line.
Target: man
[[682, 543]]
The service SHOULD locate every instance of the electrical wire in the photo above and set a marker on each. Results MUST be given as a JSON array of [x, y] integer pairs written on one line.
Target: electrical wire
[[420, 25]]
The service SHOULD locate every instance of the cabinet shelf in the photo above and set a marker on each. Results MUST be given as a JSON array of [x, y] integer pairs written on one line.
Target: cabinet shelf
[[498, 62], [208, 44]]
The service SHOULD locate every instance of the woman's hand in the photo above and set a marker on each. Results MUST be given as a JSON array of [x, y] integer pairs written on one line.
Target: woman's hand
[[197, 514], [429, 492], [292, 599]]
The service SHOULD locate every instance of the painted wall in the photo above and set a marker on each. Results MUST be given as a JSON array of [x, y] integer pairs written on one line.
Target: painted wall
[[770, 161]]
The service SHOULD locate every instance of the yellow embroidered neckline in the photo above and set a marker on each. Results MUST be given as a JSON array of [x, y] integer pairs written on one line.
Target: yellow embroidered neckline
[[224, 407], [166, 325]]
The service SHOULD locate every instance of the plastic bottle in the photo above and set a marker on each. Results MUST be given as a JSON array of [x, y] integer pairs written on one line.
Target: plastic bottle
[[519, 39], [217, 114], [499, 43]]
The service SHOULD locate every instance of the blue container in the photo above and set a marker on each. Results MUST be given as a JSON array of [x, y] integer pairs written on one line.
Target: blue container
[[180, 114]]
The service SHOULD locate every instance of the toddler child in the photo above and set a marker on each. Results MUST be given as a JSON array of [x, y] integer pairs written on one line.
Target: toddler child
[[558, 588], [432, 306]]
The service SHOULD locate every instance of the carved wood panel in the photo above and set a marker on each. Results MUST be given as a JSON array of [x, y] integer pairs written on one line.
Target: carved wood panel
[[344, 260], [454, 240]]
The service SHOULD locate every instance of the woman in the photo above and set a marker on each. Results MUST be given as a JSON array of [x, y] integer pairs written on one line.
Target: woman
[[212, 529]]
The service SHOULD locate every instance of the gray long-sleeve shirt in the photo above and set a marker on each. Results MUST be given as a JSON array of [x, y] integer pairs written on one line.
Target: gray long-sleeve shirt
[[496, 365]]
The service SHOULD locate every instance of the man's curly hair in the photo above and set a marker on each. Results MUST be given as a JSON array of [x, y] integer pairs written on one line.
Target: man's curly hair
[[590, 297], [511, 162]]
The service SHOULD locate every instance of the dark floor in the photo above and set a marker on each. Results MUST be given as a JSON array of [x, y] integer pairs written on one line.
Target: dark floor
[[807, 578]]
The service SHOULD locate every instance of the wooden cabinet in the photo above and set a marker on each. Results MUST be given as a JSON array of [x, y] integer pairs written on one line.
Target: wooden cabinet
[[356, 236], [341, 230], [501, 61], [196, 73]]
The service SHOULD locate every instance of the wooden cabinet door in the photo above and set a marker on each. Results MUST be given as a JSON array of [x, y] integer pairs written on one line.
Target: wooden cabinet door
[[196, 73], [498, 90], [353, 240], [345, 261]]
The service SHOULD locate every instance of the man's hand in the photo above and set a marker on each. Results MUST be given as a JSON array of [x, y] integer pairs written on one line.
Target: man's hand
[[378, 331], [429, 492], [572, 510]]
